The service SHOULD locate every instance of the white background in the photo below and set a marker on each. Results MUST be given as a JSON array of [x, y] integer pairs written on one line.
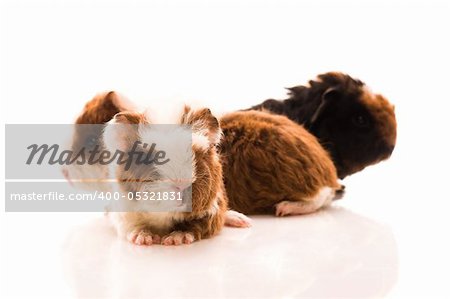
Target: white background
[[228, 55]]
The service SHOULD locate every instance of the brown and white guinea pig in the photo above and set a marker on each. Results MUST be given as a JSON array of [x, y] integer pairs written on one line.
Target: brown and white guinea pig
[[273, 165], [209, 202], [87, 134], [357, 127], [99, 112]]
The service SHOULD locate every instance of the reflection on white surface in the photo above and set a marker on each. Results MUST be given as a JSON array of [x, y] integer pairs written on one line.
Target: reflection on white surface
[[333, 253]]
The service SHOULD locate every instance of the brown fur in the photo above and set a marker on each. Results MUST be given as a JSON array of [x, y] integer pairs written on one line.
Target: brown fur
[[103, 107], [97, 111], [268, 159]]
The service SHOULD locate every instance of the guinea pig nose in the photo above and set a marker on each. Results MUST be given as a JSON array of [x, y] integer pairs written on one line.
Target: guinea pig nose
[[179, 188], [181, 185], [66, 175], [388, 149]]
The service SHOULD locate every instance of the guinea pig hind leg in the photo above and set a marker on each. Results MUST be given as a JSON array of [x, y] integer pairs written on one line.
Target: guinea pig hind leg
[[194, 229], [310, 205], [236, 219], [339, 194]]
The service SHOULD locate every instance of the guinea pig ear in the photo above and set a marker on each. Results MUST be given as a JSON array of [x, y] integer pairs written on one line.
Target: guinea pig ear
[[122, 131], [325, 100], [204, 124], [103, 107], [296, 90]]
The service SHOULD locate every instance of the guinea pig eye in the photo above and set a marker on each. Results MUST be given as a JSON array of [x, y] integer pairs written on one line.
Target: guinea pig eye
[[90, 142], [360, 121]]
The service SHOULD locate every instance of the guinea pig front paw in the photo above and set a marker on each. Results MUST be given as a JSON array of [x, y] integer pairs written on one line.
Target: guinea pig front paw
[[178, 238], [143, 237]]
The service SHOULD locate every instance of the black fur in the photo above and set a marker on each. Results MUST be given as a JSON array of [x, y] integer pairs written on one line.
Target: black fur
[[331, 108]]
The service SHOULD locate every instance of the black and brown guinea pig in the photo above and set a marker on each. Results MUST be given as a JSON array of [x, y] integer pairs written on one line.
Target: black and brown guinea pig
[[273, 165], [357, 127]]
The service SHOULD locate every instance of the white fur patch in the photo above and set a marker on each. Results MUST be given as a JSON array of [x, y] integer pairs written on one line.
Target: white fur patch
[[321, 199], [236, 219], [200, 141], [115, 135], [214, 207], [324, 197], [175, 141]]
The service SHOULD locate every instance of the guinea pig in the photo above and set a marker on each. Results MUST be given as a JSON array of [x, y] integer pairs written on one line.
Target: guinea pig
[[273, 165], [87, 134], [209, 202], [357, 127]]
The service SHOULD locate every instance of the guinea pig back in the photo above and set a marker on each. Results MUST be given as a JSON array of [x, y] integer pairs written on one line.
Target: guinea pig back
[[270, 162]]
